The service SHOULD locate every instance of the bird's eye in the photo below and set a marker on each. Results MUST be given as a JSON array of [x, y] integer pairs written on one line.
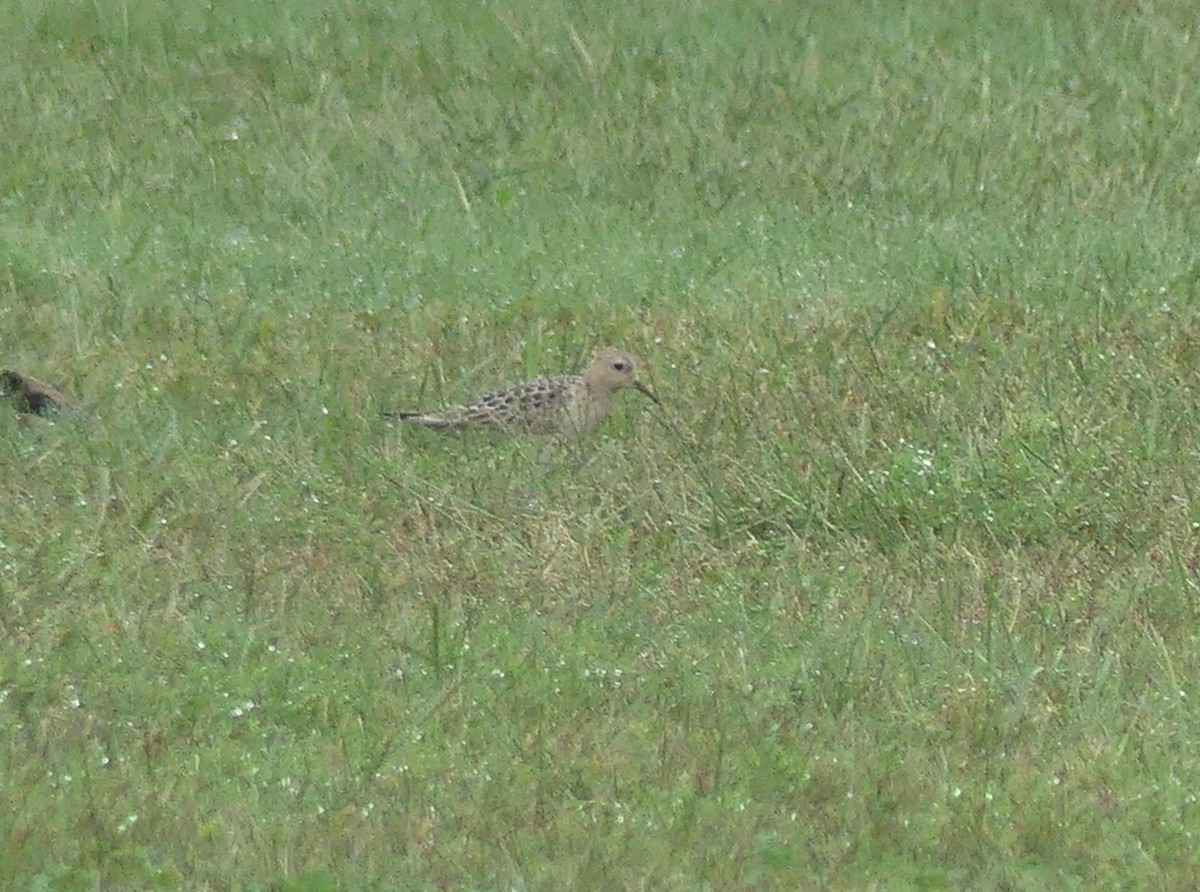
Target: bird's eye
[[619, 366]]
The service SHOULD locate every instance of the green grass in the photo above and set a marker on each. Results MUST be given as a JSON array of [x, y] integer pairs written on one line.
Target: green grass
[[901, 591]]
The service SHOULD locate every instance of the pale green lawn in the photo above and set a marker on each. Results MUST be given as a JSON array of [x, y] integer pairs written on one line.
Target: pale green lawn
[[900, 593]]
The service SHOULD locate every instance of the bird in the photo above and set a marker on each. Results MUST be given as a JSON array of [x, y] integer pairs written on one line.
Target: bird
[[33, 397], [570, 404]]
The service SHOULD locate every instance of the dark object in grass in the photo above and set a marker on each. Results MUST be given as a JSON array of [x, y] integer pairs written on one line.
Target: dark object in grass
[[32, 396]]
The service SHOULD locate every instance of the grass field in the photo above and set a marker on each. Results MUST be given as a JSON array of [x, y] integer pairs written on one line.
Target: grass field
[[899, 590]]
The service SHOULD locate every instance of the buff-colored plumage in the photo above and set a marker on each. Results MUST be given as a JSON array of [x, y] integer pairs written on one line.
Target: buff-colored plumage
[[558, 403]]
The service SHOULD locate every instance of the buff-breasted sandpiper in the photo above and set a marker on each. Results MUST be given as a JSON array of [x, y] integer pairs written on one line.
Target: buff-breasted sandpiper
[[570, 404]]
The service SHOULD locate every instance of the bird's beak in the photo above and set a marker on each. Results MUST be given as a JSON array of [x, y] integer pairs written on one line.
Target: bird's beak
[[638, 385]]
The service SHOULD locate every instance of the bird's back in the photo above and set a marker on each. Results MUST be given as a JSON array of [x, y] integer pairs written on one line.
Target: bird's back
[[539, 403]]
